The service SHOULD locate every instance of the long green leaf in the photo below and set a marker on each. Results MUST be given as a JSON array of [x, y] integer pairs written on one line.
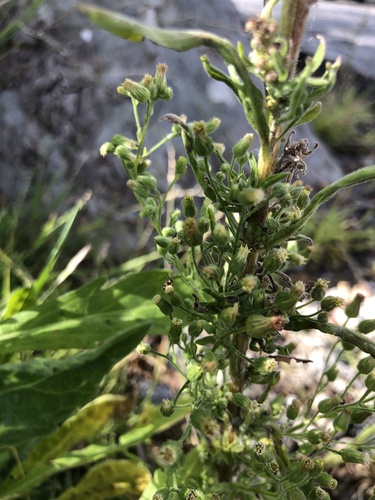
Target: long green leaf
[[38, 394], [80, 318]]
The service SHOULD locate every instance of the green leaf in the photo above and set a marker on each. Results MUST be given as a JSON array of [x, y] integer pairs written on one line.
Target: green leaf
[[82, 426], [80, 318], [38, 394], [109, 479], [21, 299], [273, 179], [129, 29], [310, 114]]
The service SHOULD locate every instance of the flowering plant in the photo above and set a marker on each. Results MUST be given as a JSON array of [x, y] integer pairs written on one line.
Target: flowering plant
[[228, 297]]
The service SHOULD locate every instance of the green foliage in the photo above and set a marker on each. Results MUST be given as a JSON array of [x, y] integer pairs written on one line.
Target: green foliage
[[346, 122], [338, 235]]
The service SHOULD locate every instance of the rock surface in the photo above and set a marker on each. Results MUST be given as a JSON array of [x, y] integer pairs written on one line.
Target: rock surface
[[349, 31]]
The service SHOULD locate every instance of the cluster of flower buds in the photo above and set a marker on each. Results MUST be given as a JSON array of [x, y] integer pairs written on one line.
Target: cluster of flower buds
[[150, 88]]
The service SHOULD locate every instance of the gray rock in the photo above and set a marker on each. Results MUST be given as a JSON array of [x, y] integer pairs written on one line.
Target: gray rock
[[349, 31]]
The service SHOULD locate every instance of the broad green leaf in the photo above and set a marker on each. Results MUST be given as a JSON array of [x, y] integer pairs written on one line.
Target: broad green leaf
[[38, 394], [81, 426], [110, 479], [82, 317]]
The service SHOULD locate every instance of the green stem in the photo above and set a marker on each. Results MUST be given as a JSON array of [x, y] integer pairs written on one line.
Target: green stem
[[298, 323]]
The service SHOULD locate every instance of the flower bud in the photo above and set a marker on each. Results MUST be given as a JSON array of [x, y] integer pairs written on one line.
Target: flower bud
[[168, 453], [323, 317], [211, 272], [195, 328], [122, 140], [275, 259], [220, 235], [319, 494], [251, 196], [264, 365], [280, 190], [327, 405], [342, 420], [366, 365], [203, 225], [319, 289], [370, 382], [242, 146], [258, 326], [315, 436], [351, 456], [293, 409], [168, 231], [164, 306], [203, 145], [352, 309], [174, 245], [366, 326], [166, 407], [220, 176], [124, 154], [326, 480], [139, 190], [181, 165], [175, 220], [143, 348], [212, 125], [190, 209], [147, 211], [329, 303], [161, 241], [147, 181], [296, 471], [249, 283], [303, 199], [273, 225], [106, 148], [229, 314], [347, 346], [160, 81], [192, 236], [175, 331], [286, 299], [134, 90], [318, 467], [332, 373], [238, 263]]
